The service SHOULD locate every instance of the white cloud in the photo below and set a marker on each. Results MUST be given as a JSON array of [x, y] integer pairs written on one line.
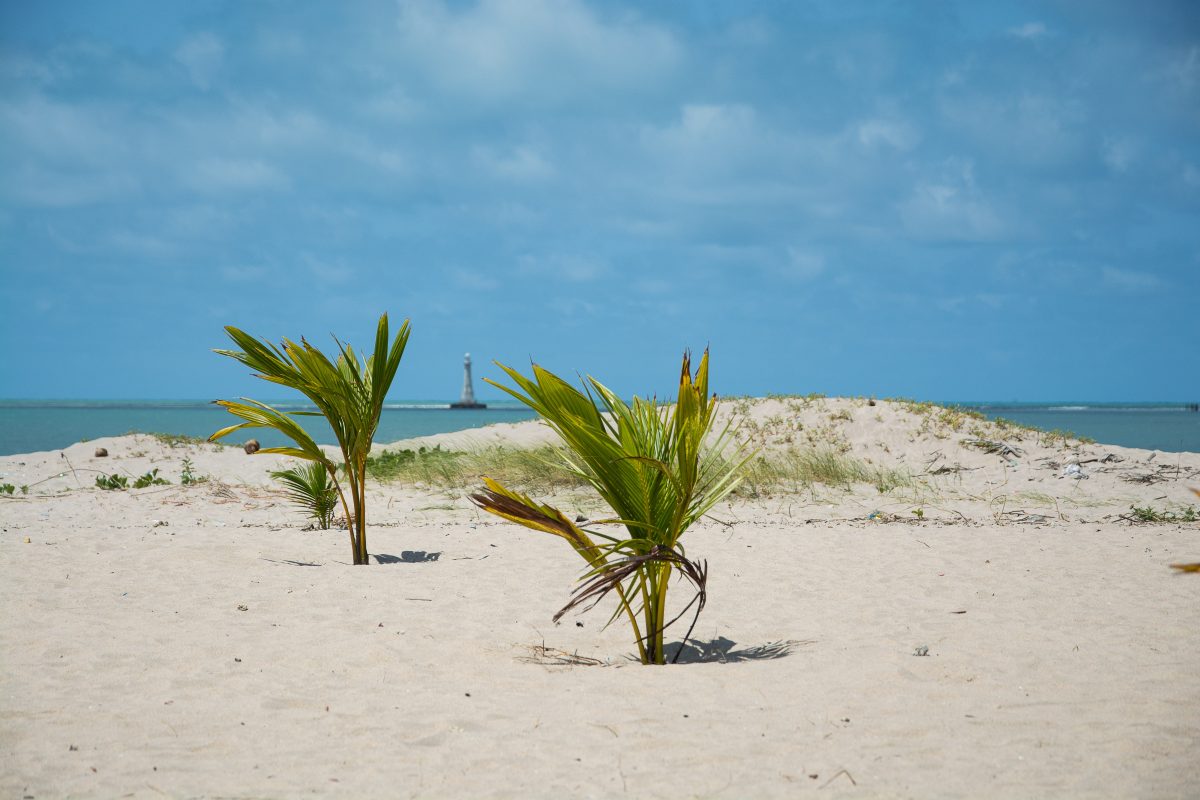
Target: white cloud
[[141, 244], [251, 133], [213, 222], [702, 127], [512, 215], [1031, 128], [366, 150], [1185, 68], [63, 62], [330, 272], [1118, 154], [1129, 280], [993, 299], [950, 304], [653, 286], [750, 33], [715, 140], [256, 125], [82, 134], [233, 174], [1030, 30], [498, 49], [522, 164], [737, 256], [898, 135], [729, 155], [791, 262], [393, 105], [202, 55], [950, 207], [569, 267], [280, 44], [474, 280], [68, 244], [34, 185], [957, 75], [804, 264], [17, 68], [389, 160], [245, 273], [1191, 175]]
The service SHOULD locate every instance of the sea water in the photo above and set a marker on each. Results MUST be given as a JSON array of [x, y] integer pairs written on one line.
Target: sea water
[[28, 426], [1171, 427]]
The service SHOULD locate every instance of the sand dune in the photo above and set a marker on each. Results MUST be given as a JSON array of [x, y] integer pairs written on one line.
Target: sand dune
[[195, 641]]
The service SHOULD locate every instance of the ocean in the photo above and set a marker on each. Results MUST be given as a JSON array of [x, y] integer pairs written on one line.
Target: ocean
[[1170, 427], [28, 426]]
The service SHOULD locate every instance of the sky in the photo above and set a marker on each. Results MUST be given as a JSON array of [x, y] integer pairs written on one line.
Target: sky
[[939, 200]]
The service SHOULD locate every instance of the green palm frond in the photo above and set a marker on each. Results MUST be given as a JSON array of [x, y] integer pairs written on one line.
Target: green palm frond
[[348, 391], [658, 467], [310, 487], [260, 415]]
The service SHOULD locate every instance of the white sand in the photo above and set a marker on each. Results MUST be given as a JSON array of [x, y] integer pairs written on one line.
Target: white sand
[[128, 666]]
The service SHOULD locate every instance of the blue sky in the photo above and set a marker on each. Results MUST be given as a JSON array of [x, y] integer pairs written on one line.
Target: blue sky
[[937, 200]]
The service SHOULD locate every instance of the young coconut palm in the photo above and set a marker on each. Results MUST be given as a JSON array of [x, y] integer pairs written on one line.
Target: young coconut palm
[[310, 487], [349, 394], [652, 466]]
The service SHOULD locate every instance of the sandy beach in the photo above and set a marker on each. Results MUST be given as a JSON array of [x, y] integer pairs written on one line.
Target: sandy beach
[[1000, 625]]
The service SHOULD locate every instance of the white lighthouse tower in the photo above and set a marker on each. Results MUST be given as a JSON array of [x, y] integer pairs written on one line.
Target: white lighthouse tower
[[468, 391]]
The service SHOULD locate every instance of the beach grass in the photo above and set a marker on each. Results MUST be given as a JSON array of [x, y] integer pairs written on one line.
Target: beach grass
[[177, 440], [1148, 513], [538, 469], [541, 470], [801, 468], [959, 419]]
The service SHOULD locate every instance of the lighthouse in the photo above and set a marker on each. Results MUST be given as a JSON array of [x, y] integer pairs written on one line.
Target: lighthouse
[[468, 392]]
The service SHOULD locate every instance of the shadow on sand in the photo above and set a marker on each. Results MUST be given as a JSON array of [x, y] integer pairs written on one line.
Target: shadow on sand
[[721, 650], [406, 557]]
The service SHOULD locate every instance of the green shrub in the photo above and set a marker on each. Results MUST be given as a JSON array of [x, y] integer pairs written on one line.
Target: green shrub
[[149, 479], [1149, 514], [112, 482], [188, 476]]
